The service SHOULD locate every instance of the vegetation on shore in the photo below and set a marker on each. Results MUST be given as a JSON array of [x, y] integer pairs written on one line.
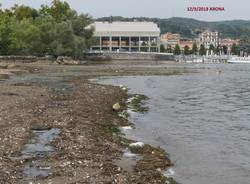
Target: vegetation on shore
[[58, 30], [51, 30]]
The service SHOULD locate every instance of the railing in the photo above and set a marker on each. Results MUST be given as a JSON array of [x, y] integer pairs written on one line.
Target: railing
[[203, 59]]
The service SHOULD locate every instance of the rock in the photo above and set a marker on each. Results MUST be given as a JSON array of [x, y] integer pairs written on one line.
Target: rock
[[66, 61], [158, 169], [116, 107], [12, 66]]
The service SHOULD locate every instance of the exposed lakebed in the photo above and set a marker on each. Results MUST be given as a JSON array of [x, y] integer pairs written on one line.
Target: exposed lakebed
[[37, 148]]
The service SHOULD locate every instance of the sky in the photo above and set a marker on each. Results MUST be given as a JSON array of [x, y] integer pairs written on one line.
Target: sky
[[234, 9]]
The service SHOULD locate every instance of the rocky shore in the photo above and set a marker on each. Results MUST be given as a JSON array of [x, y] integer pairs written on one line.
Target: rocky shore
[[70, 136]]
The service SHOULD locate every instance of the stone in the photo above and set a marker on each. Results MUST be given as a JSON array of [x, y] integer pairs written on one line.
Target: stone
[[116, 107]]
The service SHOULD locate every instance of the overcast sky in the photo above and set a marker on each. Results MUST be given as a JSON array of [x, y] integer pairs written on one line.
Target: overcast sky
[[234, 9]]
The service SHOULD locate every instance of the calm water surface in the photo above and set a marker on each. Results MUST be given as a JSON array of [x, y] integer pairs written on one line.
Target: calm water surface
[[201, 119]]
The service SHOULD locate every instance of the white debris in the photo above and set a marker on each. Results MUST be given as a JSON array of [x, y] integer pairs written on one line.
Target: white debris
[[129, 154], [127, 128], [129, 100], [45, 168], [122, 115], [137, 144], [169, 173], [124, 88], [158, 169]]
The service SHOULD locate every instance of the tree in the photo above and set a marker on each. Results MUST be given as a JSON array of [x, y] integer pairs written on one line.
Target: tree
[[162, 48], [225, 49], [244, 44], [211, 48], [169, 49], [235, 49], [5, 34], [59, 10], [186, 50], [51, 30], [24, 12], [25, 38], [177, 50], [202, 50], [194, 49], [218, 50]]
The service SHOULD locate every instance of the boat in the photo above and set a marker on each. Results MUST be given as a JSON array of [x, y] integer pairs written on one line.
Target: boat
[[244, 60]]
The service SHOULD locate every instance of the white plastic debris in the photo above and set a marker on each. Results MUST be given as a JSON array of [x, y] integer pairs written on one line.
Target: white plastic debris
[[169, 173], [127, 128], [123, 87], [129, 154], [136, 144]]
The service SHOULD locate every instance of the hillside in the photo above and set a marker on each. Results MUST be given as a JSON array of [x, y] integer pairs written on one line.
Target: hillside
[[190, 28]]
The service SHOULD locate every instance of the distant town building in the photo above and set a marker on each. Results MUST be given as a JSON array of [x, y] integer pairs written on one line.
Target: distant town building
[[126, 37], [208, 38], [228, 42], [186, 42], [170, 40]]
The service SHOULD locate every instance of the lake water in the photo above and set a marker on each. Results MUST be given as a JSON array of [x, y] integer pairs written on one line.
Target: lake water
[[201, 119]]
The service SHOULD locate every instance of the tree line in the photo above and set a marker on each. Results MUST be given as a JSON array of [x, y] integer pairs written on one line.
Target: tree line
[[235, 50], [51, 30]]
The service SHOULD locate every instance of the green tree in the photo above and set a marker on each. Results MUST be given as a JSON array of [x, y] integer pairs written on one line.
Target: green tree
[[186, 50], [5, 34], [225, 49], [211, 48], [194, 49], [202, 50], [64, 41], [169, 49], [162, 48], [25, 39], [244, 44], [217, 50], [177, 50], [24, 12], [59, 10], [51, 30], [235, 49]]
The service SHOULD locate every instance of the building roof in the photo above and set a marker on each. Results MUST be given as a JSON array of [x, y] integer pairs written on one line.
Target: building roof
[[126, 29]]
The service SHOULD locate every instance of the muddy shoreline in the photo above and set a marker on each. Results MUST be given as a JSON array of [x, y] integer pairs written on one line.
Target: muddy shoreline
[[89, 141]]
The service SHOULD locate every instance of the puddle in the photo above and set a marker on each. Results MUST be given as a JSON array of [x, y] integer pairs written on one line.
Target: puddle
[[38, 147], [36, 169], [128, 161], [55, 82]]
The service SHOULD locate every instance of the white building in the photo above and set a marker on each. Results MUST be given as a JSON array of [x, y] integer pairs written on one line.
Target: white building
[[126, 37], [208, 38]]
